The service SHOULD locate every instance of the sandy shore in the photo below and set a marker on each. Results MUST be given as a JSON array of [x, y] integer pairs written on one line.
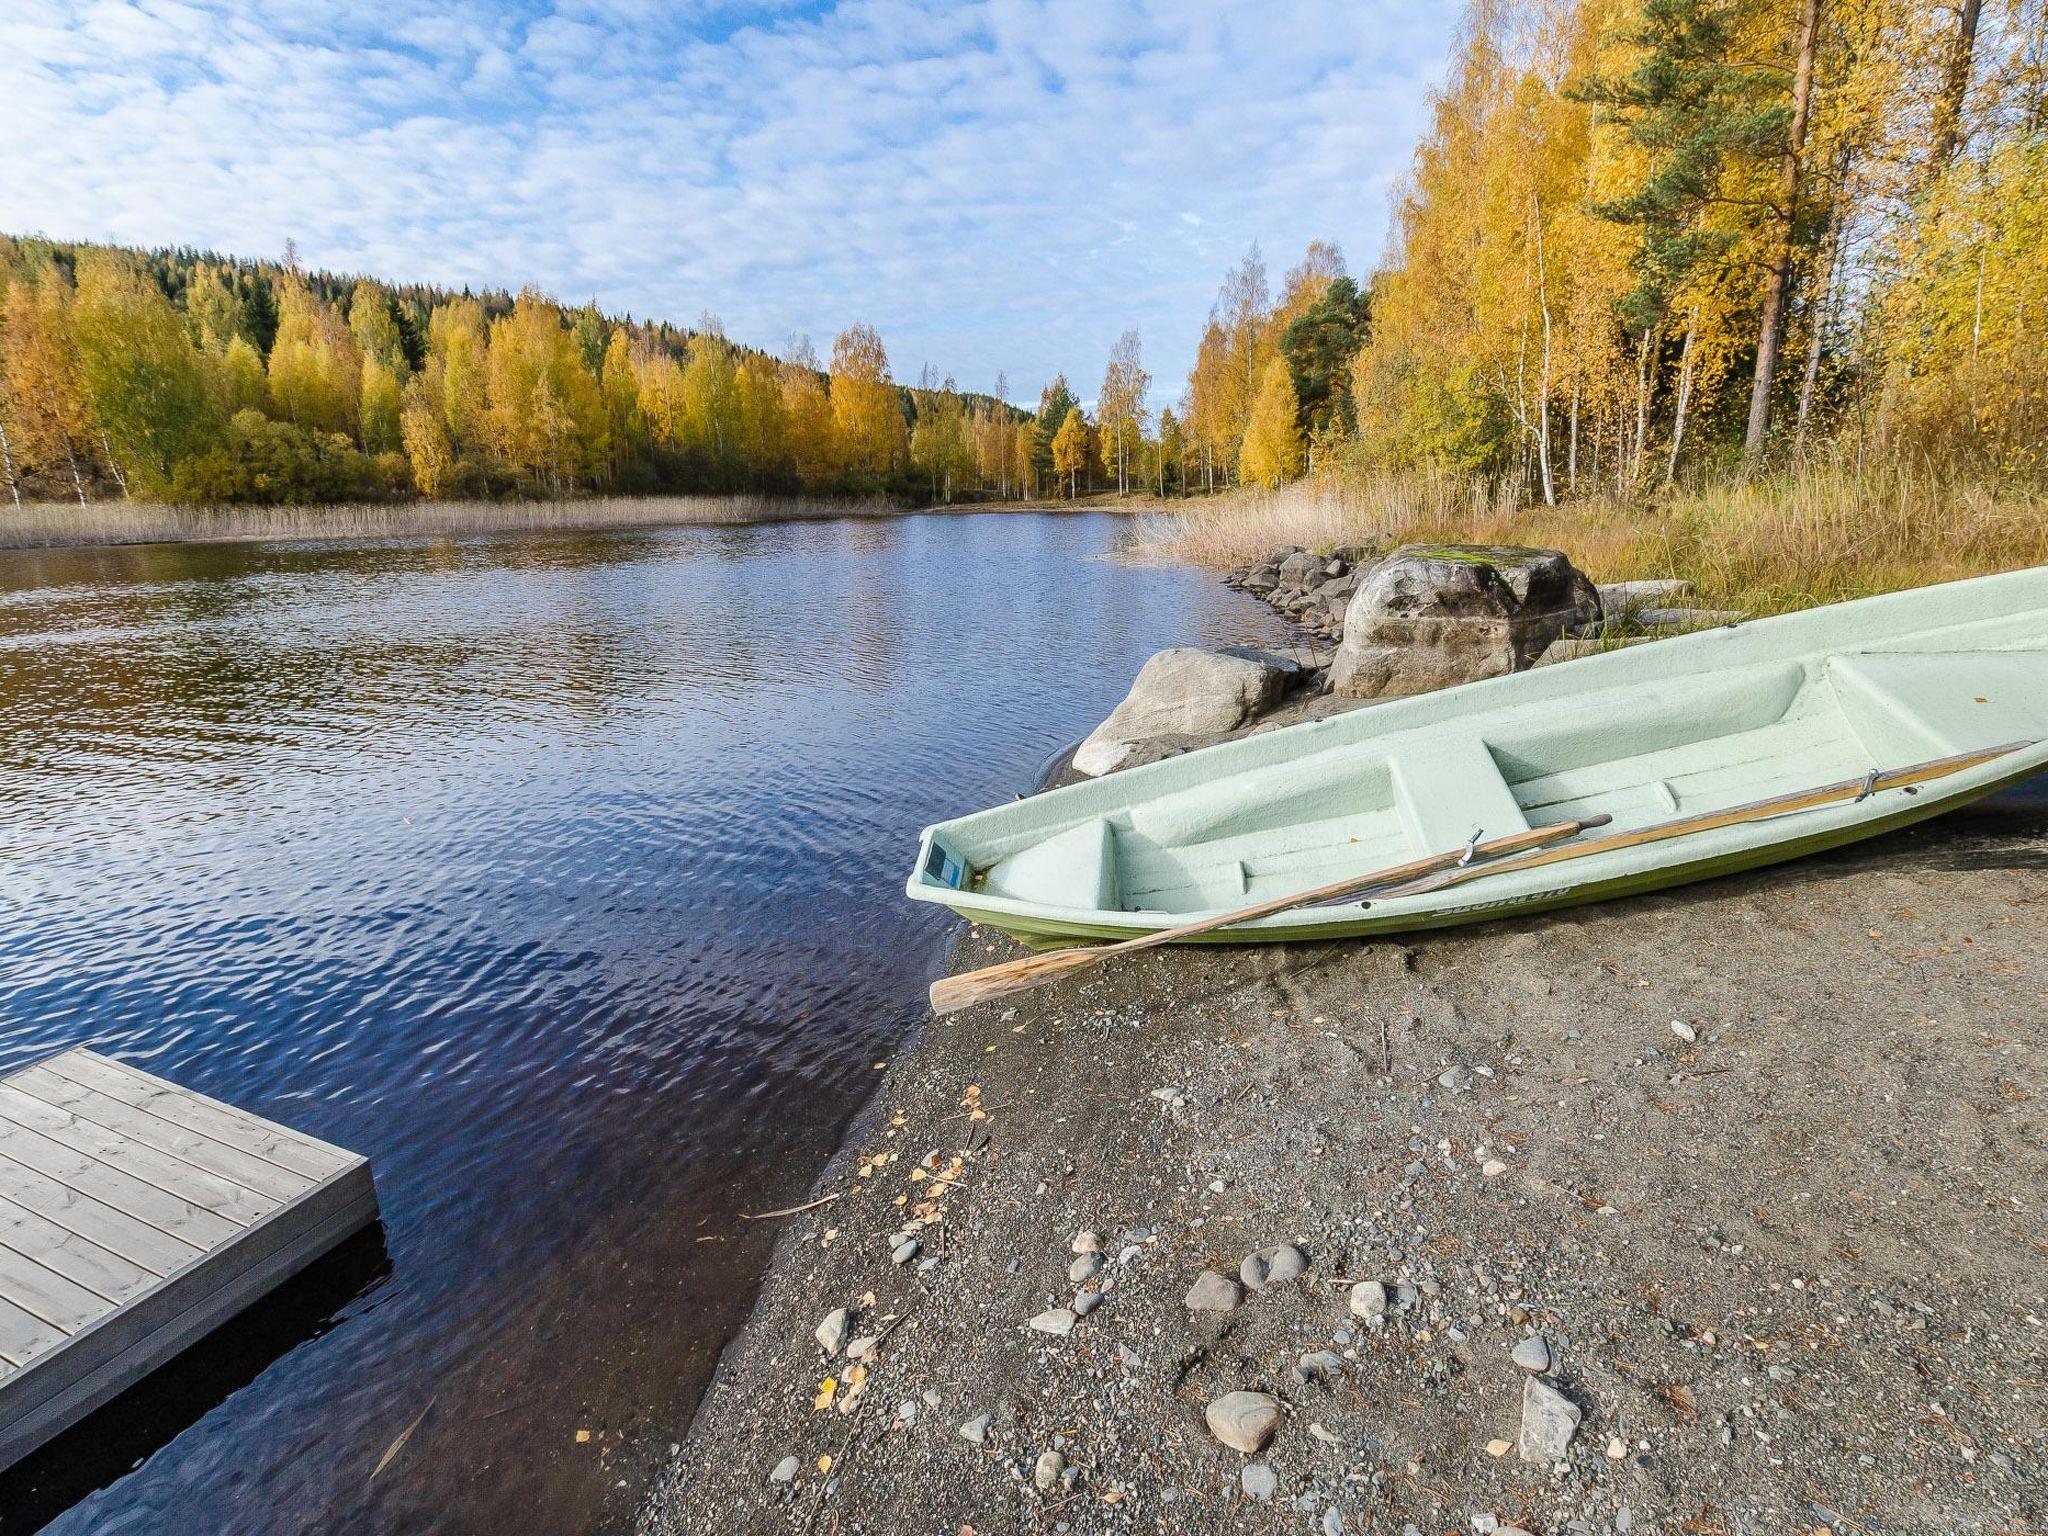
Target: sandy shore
[[1760, 1161]]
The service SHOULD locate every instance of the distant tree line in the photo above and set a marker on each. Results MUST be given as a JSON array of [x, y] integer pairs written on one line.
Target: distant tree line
[[185, 376]]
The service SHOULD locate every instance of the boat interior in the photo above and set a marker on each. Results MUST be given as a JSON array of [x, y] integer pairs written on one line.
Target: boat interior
[[1656, 750]]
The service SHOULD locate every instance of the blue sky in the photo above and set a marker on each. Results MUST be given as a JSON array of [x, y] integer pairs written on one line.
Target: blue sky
[[995, 184]]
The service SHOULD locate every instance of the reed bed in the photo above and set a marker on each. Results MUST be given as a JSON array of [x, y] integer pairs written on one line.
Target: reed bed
[[1769, 544], [44, 523]]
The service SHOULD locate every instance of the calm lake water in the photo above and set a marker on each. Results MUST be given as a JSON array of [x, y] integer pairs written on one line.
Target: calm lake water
[[560, 875]]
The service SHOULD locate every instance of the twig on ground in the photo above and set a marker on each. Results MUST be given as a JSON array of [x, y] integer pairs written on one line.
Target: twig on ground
[[792, 1210]]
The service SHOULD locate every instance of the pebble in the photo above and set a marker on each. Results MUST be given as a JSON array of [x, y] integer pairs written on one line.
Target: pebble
[[1086, 1302], [1212, 1292], [1532, 1354], [785, 1471], [1257, 1479], [1333, 1521], [906, 1413], [1684, 1031], [1549, 1420], [1057, 1320], [1369, 1300], [1497, 1448], [904, 1251], [1130, 1255], [831, 1333], [1493, 1168], [1087, 1242], [863, 1348], [1047, 1473], [1617, 1448], [1319, 1365], [1272, 1266], [975, 1430], [1084, 1267], [1319, 1431], [1244, 1421]]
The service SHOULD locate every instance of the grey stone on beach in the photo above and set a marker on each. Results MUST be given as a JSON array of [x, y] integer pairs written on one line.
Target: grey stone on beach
[[1274, 1265], [1244, 1421], [1257, 1480], [1433, 616], [785, 1470], [1368, 1300], [1212, 1292], [1186, 691], [1319, 1365], [1532, 1354], [1686, 618], [975, 1430], [831, 1333], [1086, 1302], [1087, 1242], [1058, 1321], [1549, 1420], [1045, 1475], [1084, 1267], [904, 1251]]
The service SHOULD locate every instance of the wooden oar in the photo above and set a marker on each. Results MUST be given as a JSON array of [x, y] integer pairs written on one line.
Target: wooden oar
[[1708, 821], [954, 992]]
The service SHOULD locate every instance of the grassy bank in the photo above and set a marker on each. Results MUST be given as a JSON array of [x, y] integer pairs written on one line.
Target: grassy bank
[[42, 524], [1765, 545]]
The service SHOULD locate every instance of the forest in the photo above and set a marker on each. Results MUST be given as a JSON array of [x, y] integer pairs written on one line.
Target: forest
[[183, 376], [1646, 242]]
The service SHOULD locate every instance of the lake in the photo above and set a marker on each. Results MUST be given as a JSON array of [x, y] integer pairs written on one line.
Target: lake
[[559, 874]]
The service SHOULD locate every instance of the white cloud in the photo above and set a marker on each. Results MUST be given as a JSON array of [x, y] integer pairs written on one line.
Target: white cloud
[[996, 184]]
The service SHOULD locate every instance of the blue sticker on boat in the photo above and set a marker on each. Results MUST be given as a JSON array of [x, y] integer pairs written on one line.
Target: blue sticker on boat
[[942, 868]]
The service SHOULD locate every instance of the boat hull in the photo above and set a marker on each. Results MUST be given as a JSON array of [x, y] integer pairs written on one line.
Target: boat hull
[[1354, 923], [1685, 731]]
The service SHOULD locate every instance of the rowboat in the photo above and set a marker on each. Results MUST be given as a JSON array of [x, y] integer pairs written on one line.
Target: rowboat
[[1617, 773]]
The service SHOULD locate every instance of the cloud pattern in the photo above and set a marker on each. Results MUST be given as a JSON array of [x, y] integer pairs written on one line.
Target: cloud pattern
[[995, 184]]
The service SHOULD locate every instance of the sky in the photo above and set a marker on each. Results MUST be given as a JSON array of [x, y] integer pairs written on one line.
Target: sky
[[994, 184]]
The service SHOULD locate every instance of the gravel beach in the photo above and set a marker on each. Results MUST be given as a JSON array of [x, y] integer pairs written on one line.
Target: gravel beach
[[1719, 1211]]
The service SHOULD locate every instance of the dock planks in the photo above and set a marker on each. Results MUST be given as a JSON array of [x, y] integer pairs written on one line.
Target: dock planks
[[135, 1217]]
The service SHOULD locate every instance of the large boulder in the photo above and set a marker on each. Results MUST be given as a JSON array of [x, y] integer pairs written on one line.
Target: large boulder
[[1435, 615], [1185, 692]]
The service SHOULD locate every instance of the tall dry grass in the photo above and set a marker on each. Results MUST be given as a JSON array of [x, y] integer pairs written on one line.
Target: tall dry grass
[[1821, 534], [44, 523]]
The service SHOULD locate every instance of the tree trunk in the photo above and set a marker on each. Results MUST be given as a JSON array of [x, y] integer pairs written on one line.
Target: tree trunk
[[1635, 456], [1823, 307], [7, 460], [1692, 328], [113, 465], [1543, 387], [1771, 332], [77, 482], [1955, 90], [1571, 453]]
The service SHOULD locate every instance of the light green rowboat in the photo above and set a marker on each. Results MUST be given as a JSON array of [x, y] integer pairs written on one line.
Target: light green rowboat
[[1696, 724]]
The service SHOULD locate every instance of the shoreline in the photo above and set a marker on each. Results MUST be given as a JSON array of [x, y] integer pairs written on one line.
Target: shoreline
[[55, 525], [1502, 1126]]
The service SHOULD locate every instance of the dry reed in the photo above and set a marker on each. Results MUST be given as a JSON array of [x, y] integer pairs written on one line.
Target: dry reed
[[1765, 545], [42, 523]]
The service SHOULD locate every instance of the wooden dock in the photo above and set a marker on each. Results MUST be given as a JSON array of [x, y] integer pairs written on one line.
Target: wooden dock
[[135, 1217]]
